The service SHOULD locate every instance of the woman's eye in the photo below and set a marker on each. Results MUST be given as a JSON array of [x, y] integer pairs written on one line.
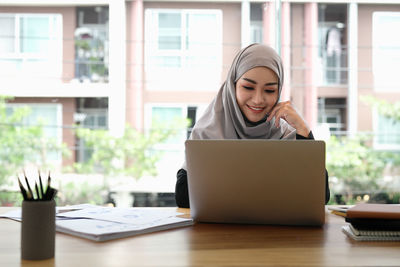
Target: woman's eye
[[248, 87], [270, 91]]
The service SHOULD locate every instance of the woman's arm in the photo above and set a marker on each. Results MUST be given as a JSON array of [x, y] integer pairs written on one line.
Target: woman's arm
[[327, 191], [181, 189]]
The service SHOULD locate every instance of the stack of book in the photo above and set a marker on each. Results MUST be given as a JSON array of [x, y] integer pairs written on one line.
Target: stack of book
[[373, 222]]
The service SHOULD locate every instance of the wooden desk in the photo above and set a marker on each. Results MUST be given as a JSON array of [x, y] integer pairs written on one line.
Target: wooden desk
[[212, 245]]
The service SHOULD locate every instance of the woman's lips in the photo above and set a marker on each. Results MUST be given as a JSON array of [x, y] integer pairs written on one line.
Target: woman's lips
[[256, 109]]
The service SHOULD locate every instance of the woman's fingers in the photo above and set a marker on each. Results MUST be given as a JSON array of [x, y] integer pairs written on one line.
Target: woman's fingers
[[286, 111], [281, 110], [273, 112]]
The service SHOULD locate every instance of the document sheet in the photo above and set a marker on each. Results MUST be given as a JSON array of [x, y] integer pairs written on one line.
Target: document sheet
[[105, 223]]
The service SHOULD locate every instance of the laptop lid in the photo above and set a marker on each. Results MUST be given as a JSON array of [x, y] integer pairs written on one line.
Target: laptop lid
[[257, 181]]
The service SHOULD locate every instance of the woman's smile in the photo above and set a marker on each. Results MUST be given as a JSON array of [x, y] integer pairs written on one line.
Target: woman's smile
[[256, 109]]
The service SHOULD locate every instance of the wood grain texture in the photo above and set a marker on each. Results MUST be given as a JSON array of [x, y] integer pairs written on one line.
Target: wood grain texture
[[212, 245]]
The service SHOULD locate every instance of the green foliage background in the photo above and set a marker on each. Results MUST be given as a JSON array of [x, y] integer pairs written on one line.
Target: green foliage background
[[132, 154], [21, 143], [357, 165]]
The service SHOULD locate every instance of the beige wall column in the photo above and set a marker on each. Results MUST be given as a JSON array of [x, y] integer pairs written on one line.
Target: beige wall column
[[311, 52], [286, 50], [134, 96], [117, 67], [269, 24], [352, 97], [271, 35], [245, 23]]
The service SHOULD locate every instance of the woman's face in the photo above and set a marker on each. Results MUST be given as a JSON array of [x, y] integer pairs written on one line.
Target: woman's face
[[257, 93]]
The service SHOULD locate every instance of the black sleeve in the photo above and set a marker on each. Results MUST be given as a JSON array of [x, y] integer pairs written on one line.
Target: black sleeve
[[181, 190], [309, 137], [327, 191]]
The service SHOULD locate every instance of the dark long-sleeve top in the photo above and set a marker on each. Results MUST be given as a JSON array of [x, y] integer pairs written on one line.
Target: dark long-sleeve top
[[181, 187]]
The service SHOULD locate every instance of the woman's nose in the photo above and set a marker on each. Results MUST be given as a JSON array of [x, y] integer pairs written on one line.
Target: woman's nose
[[258, 97]]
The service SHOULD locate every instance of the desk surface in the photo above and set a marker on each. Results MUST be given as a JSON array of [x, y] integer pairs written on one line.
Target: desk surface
[[212, 245]]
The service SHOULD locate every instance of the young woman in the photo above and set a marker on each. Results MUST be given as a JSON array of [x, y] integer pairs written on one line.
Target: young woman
[[247, 107]]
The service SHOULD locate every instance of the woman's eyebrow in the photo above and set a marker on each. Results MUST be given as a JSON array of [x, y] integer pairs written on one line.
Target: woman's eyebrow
[[249, 80], [269, 84], [254, 82]]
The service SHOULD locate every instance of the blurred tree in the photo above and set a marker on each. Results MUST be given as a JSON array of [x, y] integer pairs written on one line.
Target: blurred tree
[[22, 144], [73, 193], [132, 154], [389, 110], [385, 108], [355, 163]]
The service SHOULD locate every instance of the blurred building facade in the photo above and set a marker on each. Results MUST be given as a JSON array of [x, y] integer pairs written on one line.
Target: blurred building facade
[[104, 63]]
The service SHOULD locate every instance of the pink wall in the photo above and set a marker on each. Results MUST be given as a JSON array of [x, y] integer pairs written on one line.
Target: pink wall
[[297, 57], [286, 51], [135, 59], [310, 37]]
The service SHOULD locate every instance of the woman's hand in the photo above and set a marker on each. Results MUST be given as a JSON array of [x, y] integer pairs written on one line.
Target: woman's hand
[[286, 111]]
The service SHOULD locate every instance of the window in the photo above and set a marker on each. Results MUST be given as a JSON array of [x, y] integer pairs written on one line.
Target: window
[[386, 50], [31, 44], [48, 115], [387, 133], [91, 113], [332, 113], [91, 44], [256, 23], [332, 48], [167, 115], [179, 49], [191, 115], [173, 149]]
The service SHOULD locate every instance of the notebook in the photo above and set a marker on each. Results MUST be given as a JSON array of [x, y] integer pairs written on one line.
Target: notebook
[[384, 224], [278, 182], [370, 235], [374, 216]]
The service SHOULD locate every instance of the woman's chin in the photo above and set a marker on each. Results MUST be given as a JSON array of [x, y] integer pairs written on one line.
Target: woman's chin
[[256, 120]]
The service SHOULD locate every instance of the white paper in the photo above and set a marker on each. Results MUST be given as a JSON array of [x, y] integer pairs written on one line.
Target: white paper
[[100, 230], [105, 223], [16, 214], [137, 216]]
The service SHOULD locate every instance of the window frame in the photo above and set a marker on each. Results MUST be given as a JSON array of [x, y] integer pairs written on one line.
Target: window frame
[[156, 74], [376, 144], [377, 52], [338, 70], [148, 115], [148, 120], [55, 38], [59, 122], [152, 31]]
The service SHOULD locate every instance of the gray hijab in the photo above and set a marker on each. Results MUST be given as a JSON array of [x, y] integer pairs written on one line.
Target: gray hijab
[[223, 119]]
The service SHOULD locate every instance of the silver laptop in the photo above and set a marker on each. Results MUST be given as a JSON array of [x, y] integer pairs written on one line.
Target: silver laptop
[[257, 181]]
